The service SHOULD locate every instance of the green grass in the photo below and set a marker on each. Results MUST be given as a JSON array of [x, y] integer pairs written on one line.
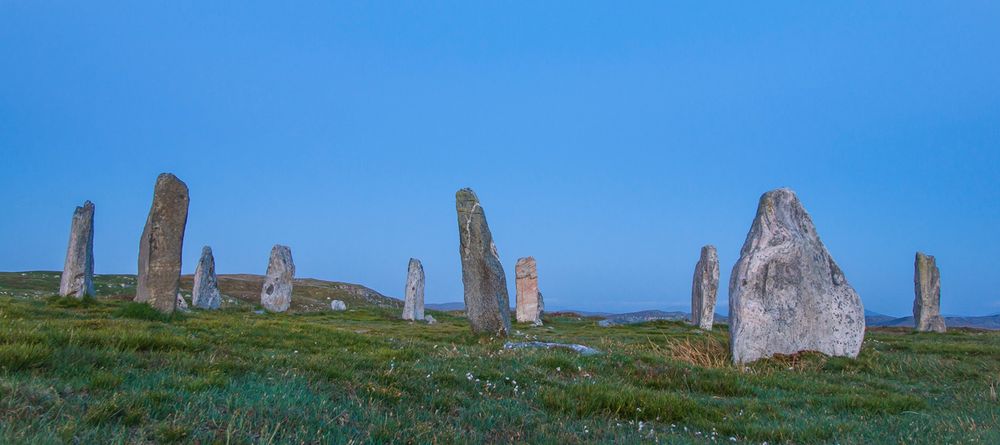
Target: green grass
[[111, 371]]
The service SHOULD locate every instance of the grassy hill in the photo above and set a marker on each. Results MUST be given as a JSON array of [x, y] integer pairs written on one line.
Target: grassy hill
[[112, 371]]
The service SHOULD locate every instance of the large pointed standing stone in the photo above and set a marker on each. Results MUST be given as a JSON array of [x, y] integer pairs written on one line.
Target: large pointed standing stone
[[205, 293], [705, 288], [529, 300], [486, 303], [786, 293], [413, 306], [78, 270], [276, 295], [161, 243], [927, 303]]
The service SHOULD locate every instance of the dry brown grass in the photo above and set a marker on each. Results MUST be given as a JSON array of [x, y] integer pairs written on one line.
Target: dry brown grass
[[706, 351]]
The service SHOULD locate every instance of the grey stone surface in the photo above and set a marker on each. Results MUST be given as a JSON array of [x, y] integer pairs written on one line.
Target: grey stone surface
[[429, 319], [78, 270], [486, 302], [786, 293], [161, 244], [583, 350], [413, 305], [529, 300], [276, 294], [705, 288], [182, 304], [205, 293], [338, 305], [927, 301]]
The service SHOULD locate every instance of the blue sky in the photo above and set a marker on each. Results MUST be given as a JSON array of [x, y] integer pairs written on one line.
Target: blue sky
[[609, 141]]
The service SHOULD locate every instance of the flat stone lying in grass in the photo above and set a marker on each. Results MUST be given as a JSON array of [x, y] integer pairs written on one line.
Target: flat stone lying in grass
[[161, 245], [276, 294], [78, 271], [583, 350], [487, 305], [927, 300]]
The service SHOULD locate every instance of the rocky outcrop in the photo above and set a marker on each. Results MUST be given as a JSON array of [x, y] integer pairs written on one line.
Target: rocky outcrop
[[161, 245], [205, 292], [413, 305], [78, 270], [529, 299], [486, 302], [705, 288], [786, 293], [927, 301], [276, 294]]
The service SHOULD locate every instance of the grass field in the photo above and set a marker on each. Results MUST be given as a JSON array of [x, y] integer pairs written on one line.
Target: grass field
[[112, 371]]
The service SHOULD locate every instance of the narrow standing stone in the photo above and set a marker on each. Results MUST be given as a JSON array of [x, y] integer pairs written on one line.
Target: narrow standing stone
[[413, 306], [161, 245], [276, 295], [78, 270], [486, 303], [786, 293], [927, 286], [705, 288], [205, 293], [529, 300]]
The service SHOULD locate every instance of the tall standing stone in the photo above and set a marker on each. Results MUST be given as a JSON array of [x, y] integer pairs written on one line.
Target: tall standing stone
[[927, 303], [529, 300], [786, 293], [276, 295], [161, 244], [486, 303], [205, 293], [705, 288], [413, 306], [78, 270]]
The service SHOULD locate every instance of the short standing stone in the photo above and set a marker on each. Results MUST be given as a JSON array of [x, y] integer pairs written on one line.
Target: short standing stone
[[182, 304], [487, 305], [705, 288], [205, 293], [413, 305], [276, 295], [78, 270], [927, 303], [338, 305], [429, 319], [786, 293], [529, 300], [161, 244]]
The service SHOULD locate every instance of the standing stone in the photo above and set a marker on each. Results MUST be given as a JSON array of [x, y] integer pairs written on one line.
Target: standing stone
[[705, 288], [78, 270], [205, 293], [413, 306], [529, 299], [276, 295], [786, 293], [486, 303], [927, 286], [161, 243], [337, 306]]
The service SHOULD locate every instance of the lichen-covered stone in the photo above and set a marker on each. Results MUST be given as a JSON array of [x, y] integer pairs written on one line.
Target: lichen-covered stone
[[78, 270], [487, 305], [337, 306], [927, 302], [413, 305], [276, 294], [529, 300], [786, 293], [705, 288], [205, 293], [161, 244]]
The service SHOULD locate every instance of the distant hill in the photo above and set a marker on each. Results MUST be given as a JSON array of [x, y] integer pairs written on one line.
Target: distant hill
[[984, 322]]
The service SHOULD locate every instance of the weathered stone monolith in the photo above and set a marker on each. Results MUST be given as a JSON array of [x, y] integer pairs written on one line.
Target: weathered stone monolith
[[927, 303], [276, 295], [78, 270], [161, 245], [486, 303], [413, 305], [705, 288], [205, 293], [338, 306], [786, 293], [529, 300]]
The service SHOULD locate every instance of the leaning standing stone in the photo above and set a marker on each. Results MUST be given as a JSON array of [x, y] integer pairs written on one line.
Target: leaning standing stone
[[205, 293], [78, 270], [276, 295], [529, 299], [705, 288], [786, 293], [161, 244], [413, 306], [486, 303], [927, 304]]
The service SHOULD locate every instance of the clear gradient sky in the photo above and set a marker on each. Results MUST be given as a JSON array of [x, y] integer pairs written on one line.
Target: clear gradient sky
[[609, 140]]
